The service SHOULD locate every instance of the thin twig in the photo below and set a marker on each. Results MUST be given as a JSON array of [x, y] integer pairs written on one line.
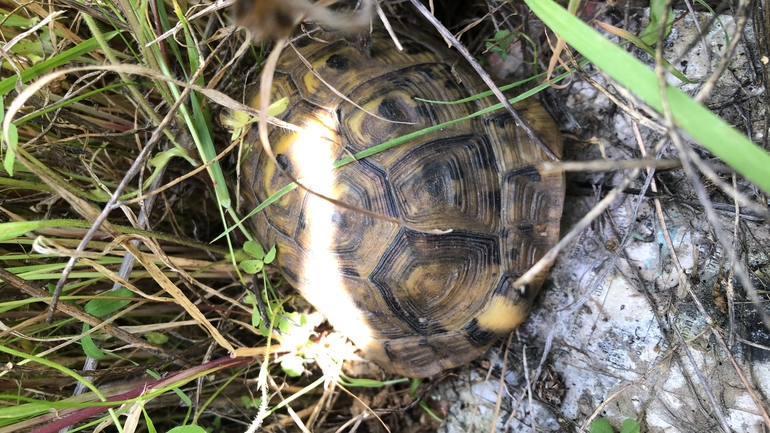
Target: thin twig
[[715, 406], [529, 392], [742, 16], [501, 387], [703, 196]]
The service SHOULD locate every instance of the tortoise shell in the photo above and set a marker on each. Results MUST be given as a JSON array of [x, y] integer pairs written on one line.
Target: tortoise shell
[[415, 303]]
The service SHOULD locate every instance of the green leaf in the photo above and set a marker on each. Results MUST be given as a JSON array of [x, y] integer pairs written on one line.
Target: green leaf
[[278, 107], [16, 21], [500, 42], [89, 347], [270, 256], [263, 328], [629, 426], [601, 426], [156, 337], [102, 307], [413, 387], [162, 158], [18, 412], [187, 429], [293, 365], [13, 305], [254, 249], [256, 318], [657, 8], [252, 266], [295, 328], [286, 324], [249, 402], [148, 420], [701, 124], [12, 138], [33, 50], [250, 299], [15, 229]]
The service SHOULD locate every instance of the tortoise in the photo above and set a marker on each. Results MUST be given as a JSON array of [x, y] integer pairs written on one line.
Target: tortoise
[[414, 301]]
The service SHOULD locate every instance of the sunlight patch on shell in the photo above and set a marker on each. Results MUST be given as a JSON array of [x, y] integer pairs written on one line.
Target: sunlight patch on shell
[[322, 268]]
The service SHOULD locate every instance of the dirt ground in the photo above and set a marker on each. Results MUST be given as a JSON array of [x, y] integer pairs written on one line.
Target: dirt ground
[[627, 331]]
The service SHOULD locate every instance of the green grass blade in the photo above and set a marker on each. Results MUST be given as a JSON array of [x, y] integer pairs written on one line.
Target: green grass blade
[[73, 53], [54, 365], [701, 124], [72, 100], [641, 44]]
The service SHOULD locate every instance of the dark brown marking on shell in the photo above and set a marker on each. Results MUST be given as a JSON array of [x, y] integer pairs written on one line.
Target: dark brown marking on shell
[[401, 84], [411, 48], [477, 336], [505, 288], [433, 185], [427, 71], [498, 119], [528, 171], [372, 170], [526, 229], [512, 254], [426, 112], [340, 220], [283, 221], [424, 343], [301, 225], [284, 162], [393, 110], [338, 62], [388, 352], [349, 271], [495, 197], [289, 274], [302, 42]]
